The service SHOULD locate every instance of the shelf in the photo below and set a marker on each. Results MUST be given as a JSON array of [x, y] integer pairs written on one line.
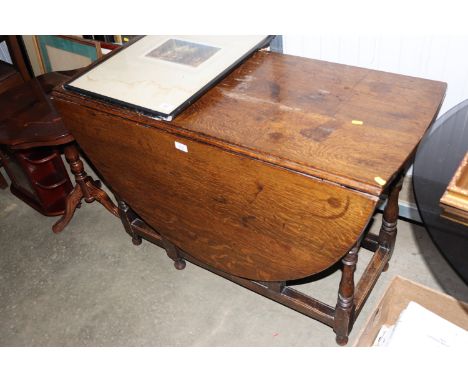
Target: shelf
[[54, 209], [51, 181], [38, 159]]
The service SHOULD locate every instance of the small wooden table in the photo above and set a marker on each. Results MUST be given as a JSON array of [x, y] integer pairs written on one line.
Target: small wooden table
[[31, 132], [284, 163]]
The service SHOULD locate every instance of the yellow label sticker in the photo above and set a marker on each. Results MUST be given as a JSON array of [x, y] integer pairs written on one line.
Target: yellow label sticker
[[357, 122], [379, 180]]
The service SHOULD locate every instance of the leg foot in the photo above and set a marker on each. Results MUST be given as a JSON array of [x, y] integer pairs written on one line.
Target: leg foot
[[179, 264], [342, 340], [344, 310], [136, 240], [86, 188], [3, 182], [385, 268], [173, 253], [97, 194], [73, 200], [128, 217]]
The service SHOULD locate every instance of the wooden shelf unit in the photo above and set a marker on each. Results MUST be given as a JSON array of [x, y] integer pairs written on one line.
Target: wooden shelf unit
[[39, 178]]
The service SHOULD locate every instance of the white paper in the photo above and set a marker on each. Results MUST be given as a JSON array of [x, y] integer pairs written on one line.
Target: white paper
[[419, 327], [149, 74]]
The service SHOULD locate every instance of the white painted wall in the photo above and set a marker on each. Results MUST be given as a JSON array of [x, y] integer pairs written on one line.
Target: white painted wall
[[442, 58]]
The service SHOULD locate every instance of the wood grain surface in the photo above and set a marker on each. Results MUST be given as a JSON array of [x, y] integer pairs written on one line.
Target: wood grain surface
[[28, 117], [310, 112], [237, 214], [353, 126], [286, 160]]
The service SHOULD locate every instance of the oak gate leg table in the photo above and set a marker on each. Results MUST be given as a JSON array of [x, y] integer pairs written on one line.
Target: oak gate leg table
[[284, 163]]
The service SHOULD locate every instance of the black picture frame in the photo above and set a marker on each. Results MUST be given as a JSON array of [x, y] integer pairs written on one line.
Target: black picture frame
[[153, 113]]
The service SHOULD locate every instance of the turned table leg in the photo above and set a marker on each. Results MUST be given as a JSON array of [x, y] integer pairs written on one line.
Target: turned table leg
[[388, 230], [344, 311], [173, 253], [86, 188], [128, 216], [3, 182]]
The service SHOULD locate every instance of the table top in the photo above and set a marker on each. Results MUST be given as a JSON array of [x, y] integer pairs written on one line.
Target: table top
[[437, 159], [345, 124], [238, 193], [352, 126], [28, 118]]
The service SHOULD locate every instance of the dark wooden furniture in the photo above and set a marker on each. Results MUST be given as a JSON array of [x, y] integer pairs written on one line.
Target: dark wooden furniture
[[31, 138], [85, 188], [12, 75], [39, 178], [9, 78], [285, 161], [440, 173], [30, 131]]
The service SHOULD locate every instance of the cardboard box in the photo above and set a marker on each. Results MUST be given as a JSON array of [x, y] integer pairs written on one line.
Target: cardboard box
[[396, 298]]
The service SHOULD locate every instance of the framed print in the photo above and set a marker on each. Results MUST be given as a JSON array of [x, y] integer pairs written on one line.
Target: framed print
[[66, 52], [162, 75]]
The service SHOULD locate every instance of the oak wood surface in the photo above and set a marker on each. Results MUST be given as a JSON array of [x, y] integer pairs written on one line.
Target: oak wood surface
[[286, 158], [299, 113], [301, 110], [239, 215]]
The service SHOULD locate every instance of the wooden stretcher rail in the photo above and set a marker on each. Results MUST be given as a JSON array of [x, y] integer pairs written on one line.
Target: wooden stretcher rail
[[276, 291]]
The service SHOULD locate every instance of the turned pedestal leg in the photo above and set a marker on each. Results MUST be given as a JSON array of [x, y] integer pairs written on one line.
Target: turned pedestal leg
[[128, 216], [3, 182], [344, 311], [388, 231], [173, 253], [85, 188]]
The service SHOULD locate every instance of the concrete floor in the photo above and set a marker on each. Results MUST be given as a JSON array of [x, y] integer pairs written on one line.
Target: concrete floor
[[89, 286]]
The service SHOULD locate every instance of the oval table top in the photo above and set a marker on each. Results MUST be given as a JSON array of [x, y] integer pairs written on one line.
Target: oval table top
[[352, 126]]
